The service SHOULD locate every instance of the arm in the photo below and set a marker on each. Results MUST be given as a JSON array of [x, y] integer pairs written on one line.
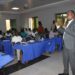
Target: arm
[[71, 31], [60, 29]]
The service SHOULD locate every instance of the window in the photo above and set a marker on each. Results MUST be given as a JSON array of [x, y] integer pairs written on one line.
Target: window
[[8, 27], [61, 19], [33, 23]]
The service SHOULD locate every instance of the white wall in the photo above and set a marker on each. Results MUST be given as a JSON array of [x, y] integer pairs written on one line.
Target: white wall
[[1, 25], [46, 14], [5, 16]]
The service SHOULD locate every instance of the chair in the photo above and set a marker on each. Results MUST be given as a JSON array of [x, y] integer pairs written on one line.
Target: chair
[[8, 38]]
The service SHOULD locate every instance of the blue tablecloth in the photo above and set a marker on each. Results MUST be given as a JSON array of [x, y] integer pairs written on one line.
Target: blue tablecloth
[[8, 47], [36, 49], [58, 41], [27, 51], [50, 45], [5, 59]]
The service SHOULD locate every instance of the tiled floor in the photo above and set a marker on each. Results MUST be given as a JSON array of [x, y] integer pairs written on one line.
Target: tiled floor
[[16, 66], [50, 66]]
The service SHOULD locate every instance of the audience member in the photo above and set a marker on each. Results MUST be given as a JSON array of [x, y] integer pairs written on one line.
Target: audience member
[[1, 34], [40, 28], [46, 32], [8, 35], [29, 32], [34, 32], [52, 34], [23, 33], [17, 39]]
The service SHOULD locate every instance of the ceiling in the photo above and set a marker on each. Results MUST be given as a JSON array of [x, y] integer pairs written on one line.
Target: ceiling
[[24, 4]]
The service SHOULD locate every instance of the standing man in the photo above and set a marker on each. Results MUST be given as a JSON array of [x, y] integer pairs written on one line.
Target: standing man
[[69, 43]]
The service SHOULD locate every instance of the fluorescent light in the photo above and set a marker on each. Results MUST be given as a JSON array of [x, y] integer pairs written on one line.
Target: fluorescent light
[[15, 8]]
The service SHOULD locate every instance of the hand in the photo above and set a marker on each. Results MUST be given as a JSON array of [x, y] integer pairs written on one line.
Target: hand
[[64, 26]]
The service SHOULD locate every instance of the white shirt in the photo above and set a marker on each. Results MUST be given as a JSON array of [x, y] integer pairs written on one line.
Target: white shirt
[[67, 26], [8, 34], [29, 32], [51, 34], [69, 23], [34, 34], [16, 39], [1, 36]]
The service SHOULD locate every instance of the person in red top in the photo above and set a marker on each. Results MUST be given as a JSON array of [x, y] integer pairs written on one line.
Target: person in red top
[[40, 28]]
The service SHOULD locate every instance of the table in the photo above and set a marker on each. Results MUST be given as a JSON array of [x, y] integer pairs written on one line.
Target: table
[[36, 49], [5, 59]]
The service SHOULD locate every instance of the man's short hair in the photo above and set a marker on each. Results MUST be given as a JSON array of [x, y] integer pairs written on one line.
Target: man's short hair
[[72, 11]]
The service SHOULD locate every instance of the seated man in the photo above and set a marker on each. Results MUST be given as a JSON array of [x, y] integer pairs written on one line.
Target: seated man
[[17, 39]]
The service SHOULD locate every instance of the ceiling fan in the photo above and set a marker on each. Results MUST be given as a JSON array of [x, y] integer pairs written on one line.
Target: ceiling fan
[[5, 1]]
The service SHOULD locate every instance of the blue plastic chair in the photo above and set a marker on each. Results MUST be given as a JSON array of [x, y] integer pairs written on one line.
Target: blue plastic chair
[[8, 38]]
